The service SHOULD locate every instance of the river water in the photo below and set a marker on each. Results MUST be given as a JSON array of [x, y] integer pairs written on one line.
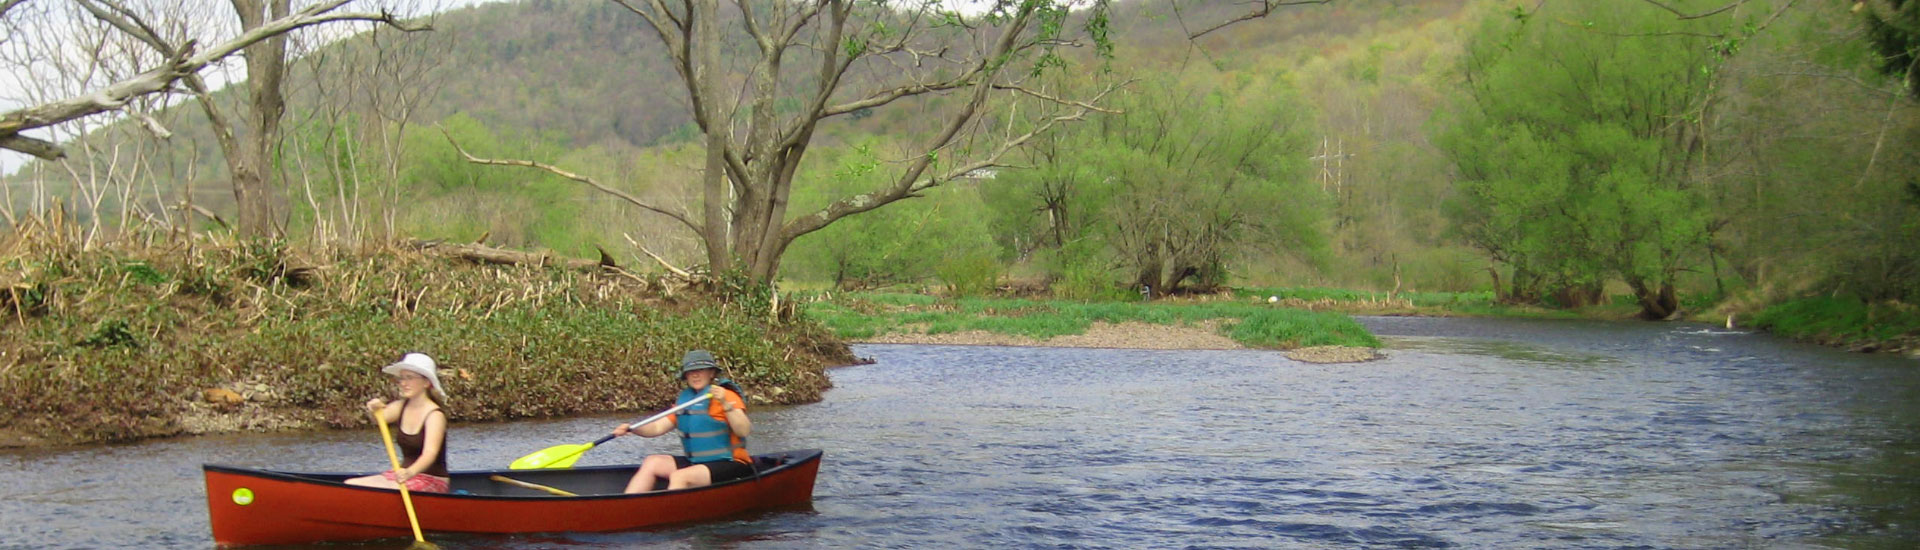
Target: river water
[[1476, 434]]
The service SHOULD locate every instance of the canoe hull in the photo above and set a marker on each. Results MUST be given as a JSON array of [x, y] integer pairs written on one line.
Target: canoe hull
[[249, 506]]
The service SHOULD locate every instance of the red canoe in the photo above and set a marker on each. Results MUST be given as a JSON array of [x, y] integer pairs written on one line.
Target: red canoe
[[250, 506]]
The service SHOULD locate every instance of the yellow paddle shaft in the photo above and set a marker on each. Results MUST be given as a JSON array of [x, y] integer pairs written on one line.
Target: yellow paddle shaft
[[386, 436], [535, 486]]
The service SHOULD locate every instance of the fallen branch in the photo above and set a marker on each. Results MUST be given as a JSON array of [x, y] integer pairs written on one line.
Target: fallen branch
[[656, 257], [479, 253]]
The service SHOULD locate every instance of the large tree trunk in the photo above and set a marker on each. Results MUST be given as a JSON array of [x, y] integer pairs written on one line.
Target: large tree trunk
[[1579, 296], [1655, 304], [718, 119], [247, 161], [1148, 278]]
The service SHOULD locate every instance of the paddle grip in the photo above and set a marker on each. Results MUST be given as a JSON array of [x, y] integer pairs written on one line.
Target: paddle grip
[[660, 415], [675, 409]]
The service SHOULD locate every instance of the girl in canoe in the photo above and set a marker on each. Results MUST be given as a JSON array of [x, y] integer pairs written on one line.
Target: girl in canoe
[[422, 436], [714, 436]]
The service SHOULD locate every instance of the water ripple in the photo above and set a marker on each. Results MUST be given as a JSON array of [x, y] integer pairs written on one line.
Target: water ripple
[[1471, 434]]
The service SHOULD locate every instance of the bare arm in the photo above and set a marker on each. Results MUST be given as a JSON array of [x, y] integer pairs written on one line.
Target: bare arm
[[388, 412], [650, 429], [736, 412], [737, 419], [657, 428]]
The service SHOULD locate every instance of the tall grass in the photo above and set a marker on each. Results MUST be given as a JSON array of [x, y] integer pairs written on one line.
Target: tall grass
[[120, 341]]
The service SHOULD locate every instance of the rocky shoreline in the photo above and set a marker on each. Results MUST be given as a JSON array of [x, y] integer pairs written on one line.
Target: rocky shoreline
[[1130, 335]]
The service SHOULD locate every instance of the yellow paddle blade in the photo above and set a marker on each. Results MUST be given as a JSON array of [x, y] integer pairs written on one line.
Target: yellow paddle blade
[[557, 456]]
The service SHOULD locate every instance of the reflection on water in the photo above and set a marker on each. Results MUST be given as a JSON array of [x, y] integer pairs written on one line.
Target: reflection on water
[[1470, 434]]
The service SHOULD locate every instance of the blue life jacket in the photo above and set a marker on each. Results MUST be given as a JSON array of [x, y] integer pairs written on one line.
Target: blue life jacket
[[705, 439]]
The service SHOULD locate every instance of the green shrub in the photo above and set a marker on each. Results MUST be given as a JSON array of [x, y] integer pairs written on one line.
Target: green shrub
[[973, 274], [1291, 328]]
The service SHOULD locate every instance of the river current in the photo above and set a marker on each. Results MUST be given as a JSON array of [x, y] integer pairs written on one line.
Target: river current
[[1476, 434]]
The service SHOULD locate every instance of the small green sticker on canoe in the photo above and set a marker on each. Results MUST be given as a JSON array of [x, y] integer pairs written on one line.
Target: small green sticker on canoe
[[243, 496]]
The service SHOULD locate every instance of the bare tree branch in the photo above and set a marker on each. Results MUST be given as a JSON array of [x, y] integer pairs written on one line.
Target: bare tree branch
[[555, 170], [36, 147], [861, 203], [1709, 13], [1266, 8], [181, 62], [1086, 105]]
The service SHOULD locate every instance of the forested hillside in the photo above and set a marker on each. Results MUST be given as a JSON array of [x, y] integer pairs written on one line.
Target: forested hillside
[[1680, 154]]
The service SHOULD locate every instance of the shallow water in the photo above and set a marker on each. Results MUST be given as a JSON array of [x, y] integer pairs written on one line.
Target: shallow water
[[1471, 434]]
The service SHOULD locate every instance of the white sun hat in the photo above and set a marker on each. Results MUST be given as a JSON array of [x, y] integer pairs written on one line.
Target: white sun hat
[[419, 363]]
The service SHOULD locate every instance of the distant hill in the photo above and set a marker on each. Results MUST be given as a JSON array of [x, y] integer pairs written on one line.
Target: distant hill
[[588, 74]]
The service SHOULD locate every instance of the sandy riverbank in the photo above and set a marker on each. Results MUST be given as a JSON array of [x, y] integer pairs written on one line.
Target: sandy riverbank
[[1129, 335]]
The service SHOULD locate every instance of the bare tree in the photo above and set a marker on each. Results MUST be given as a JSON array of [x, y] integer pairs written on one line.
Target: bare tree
[[365, 95], [808, 62], [809, 54], [104, 177], [263, 26]]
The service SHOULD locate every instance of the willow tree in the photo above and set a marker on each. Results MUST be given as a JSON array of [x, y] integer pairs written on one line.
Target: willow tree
[[794, 65], [1191, 175], [1893, 27], [1578, 140]]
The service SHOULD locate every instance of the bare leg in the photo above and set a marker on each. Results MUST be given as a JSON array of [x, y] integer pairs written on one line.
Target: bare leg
[[375, 480], [655, 467], [692, 476]]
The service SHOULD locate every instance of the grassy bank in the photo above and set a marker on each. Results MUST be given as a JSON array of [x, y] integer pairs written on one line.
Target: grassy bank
[[1428, 304], [866, 315], [143, 340], [1845, 322]]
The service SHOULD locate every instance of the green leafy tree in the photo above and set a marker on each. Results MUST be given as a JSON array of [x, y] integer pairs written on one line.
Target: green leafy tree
[[761, 106], [944, 236], [1190, 175], [1893, 27], [1576, 139], [450, 197]]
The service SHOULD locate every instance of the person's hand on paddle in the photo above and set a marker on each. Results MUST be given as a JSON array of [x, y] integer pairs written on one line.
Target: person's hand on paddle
[[725, 405], [376, 405], [402, 475], [622, 429]]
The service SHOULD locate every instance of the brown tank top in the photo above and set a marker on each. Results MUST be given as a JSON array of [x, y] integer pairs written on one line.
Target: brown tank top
[[411, 445]]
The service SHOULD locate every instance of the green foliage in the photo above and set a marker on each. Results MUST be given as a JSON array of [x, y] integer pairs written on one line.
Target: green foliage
[[739, 289], [1575, 161], [141, 272], [942, 235], [1893, 28], [516, 207], [110, 333], [1191, 174], [109, 357], [1842, 320], [1826, 209], [1081, 274], [1293, 328], [971, 274]]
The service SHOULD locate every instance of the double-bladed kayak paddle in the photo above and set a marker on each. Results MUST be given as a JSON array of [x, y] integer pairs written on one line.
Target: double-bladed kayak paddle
[[563, 456]]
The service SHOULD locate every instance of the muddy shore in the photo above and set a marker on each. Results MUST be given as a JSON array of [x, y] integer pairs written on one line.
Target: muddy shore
[[1130, 335]]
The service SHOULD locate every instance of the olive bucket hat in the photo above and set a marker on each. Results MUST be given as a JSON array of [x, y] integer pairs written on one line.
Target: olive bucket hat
[[696, 360]]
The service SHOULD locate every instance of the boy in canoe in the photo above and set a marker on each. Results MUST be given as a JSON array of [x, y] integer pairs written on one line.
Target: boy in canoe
[[423, 427], [714, 436]]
